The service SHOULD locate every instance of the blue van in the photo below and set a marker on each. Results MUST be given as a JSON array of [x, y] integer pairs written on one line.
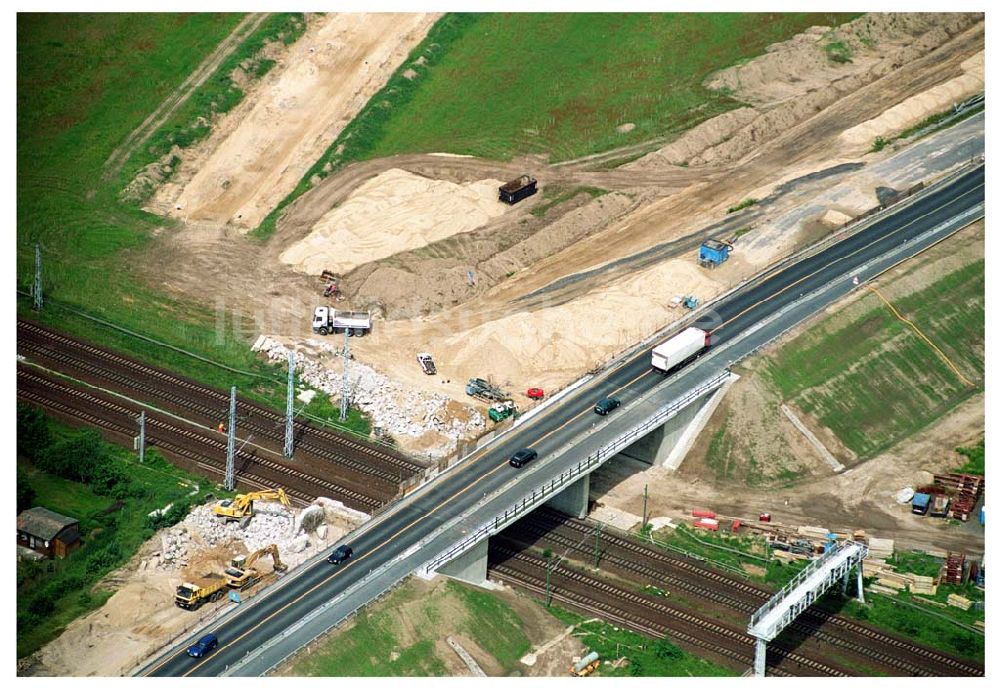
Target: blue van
[[203, 646]]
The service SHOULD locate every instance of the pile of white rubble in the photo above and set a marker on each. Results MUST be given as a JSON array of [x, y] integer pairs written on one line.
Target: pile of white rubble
[[397, 409], [298, 534]]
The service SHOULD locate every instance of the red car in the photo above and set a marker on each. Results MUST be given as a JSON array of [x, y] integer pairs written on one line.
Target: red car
[[535, 393]]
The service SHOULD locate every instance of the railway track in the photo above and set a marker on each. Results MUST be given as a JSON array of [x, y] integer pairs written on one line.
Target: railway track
[[647, 613], [325, 450], [203, 448], [631, 558]]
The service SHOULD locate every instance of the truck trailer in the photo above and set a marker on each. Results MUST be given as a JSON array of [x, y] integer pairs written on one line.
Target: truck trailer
[[327, 320], [518, 189], [682, 347]]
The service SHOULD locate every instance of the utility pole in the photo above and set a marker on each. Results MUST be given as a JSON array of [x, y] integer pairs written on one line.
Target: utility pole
[[290, 407], [645, 500], [548, 577], [142, 436], [230, 481], [597, 547], [343, 385], [36, 289]]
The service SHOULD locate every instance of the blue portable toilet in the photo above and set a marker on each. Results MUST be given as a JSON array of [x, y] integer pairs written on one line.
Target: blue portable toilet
[[982, 515]]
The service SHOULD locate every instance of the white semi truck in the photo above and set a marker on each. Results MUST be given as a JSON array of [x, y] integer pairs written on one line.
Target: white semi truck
[[327, 320], [680, 348]]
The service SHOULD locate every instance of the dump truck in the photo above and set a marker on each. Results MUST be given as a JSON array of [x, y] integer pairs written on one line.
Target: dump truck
[[680, 349], [327, 321], [713, 252], [191, 596], [241, 507], [241, 572], [518, 189], [484, 390]]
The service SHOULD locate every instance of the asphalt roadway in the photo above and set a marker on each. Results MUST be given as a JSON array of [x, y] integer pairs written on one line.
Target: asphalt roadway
[[257, 635]]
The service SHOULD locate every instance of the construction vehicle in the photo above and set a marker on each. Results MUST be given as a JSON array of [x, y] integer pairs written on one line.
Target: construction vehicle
[[680, 349], [484, 390], [502, 410], [241, 507], [242, 574], [690, 302], [518, 189], [327, 321], [427, 363], [191, 596], [713, 252], [331, 284]]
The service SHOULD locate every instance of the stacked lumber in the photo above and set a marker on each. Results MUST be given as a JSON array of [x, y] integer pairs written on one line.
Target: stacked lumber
[[980, 624], [959, 601], [787, 556], [922, 584], [814, 532], [880, 548], [892, 580]]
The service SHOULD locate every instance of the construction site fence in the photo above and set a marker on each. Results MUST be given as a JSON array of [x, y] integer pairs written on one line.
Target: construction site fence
[[557, 484]]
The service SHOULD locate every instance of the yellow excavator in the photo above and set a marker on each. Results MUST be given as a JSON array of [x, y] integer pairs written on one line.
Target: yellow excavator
[[241, 507], [241, 573]]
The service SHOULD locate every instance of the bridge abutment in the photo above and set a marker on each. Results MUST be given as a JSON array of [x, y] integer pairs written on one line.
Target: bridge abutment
[[574, 499], [470, 566]]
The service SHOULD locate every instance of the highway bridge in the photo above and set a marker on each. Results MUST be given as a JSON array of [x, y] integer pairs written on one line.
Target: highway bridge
[[457, 511]]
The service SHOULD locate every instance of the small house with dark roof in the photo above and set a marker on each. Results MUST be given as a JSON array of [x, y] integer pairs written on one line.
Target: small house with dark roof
[[48, 532]]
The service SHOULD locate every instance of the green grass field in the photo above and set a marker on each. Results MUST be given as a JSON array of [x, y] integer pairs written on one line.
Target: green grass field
[[397, 636], [500, 85], [873, 381]]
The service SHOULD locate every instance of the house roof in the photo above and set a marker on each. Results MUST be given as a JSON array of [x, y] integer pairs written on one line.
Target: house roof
[[43, 523]]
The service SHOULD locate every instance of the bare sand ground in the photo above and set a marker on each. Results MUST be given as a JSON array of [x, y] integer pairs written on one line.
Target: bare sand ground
[[523, 321], [265, 147], [395, 211]]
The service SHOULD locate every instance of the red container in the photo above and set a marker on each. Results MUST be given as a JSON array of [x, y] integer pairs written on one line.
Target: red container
[[710, 526], [736, 525], [702, 514]]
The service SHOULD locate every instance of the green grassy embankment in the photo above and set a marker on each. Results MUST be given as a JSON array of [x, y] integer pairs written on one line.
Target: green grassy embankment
[[74, 473], [400, 635], [872, 380], [501, 85]]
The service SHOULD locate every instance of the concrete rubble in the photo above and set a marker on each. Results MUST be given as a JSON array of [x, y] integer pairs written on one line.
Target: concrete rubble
[[299, 534], [397, 409]]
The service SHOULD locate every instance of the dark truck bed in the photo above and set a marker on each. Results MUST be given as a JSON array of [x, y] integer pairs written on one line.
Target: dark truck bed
[[518, 189]]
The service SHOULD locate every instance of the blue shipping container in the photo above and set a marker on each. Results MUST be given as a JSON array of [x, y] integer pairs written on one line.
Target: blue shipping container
[[921, 502], [982, 515]]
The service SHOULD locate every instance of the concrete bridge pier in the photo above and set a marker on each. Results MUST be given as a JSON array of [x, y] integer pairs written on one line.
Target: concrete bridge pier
[[469, 567], [668, 444], [574, 499]]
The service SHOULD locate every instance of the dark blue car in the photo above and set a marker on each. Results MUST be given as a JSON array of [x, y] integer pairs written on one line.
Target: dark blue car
[[203, 646]]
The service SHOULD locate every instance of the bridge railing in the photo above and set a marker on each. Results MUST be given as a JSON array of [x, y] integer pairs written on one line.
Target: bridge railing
[[585, 466], [803, 575]]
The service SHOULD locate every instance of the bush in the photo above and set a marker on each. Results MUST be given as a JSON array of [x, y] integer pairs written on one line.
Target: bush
[[41, 605], [78, 458], [177, 512], [25, 494], [33, 435]]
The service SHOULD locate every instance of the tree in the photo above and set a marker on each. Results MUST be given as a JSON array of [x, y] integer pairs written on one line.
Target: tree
[[78, 458], [33, 435], [25, 494]]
